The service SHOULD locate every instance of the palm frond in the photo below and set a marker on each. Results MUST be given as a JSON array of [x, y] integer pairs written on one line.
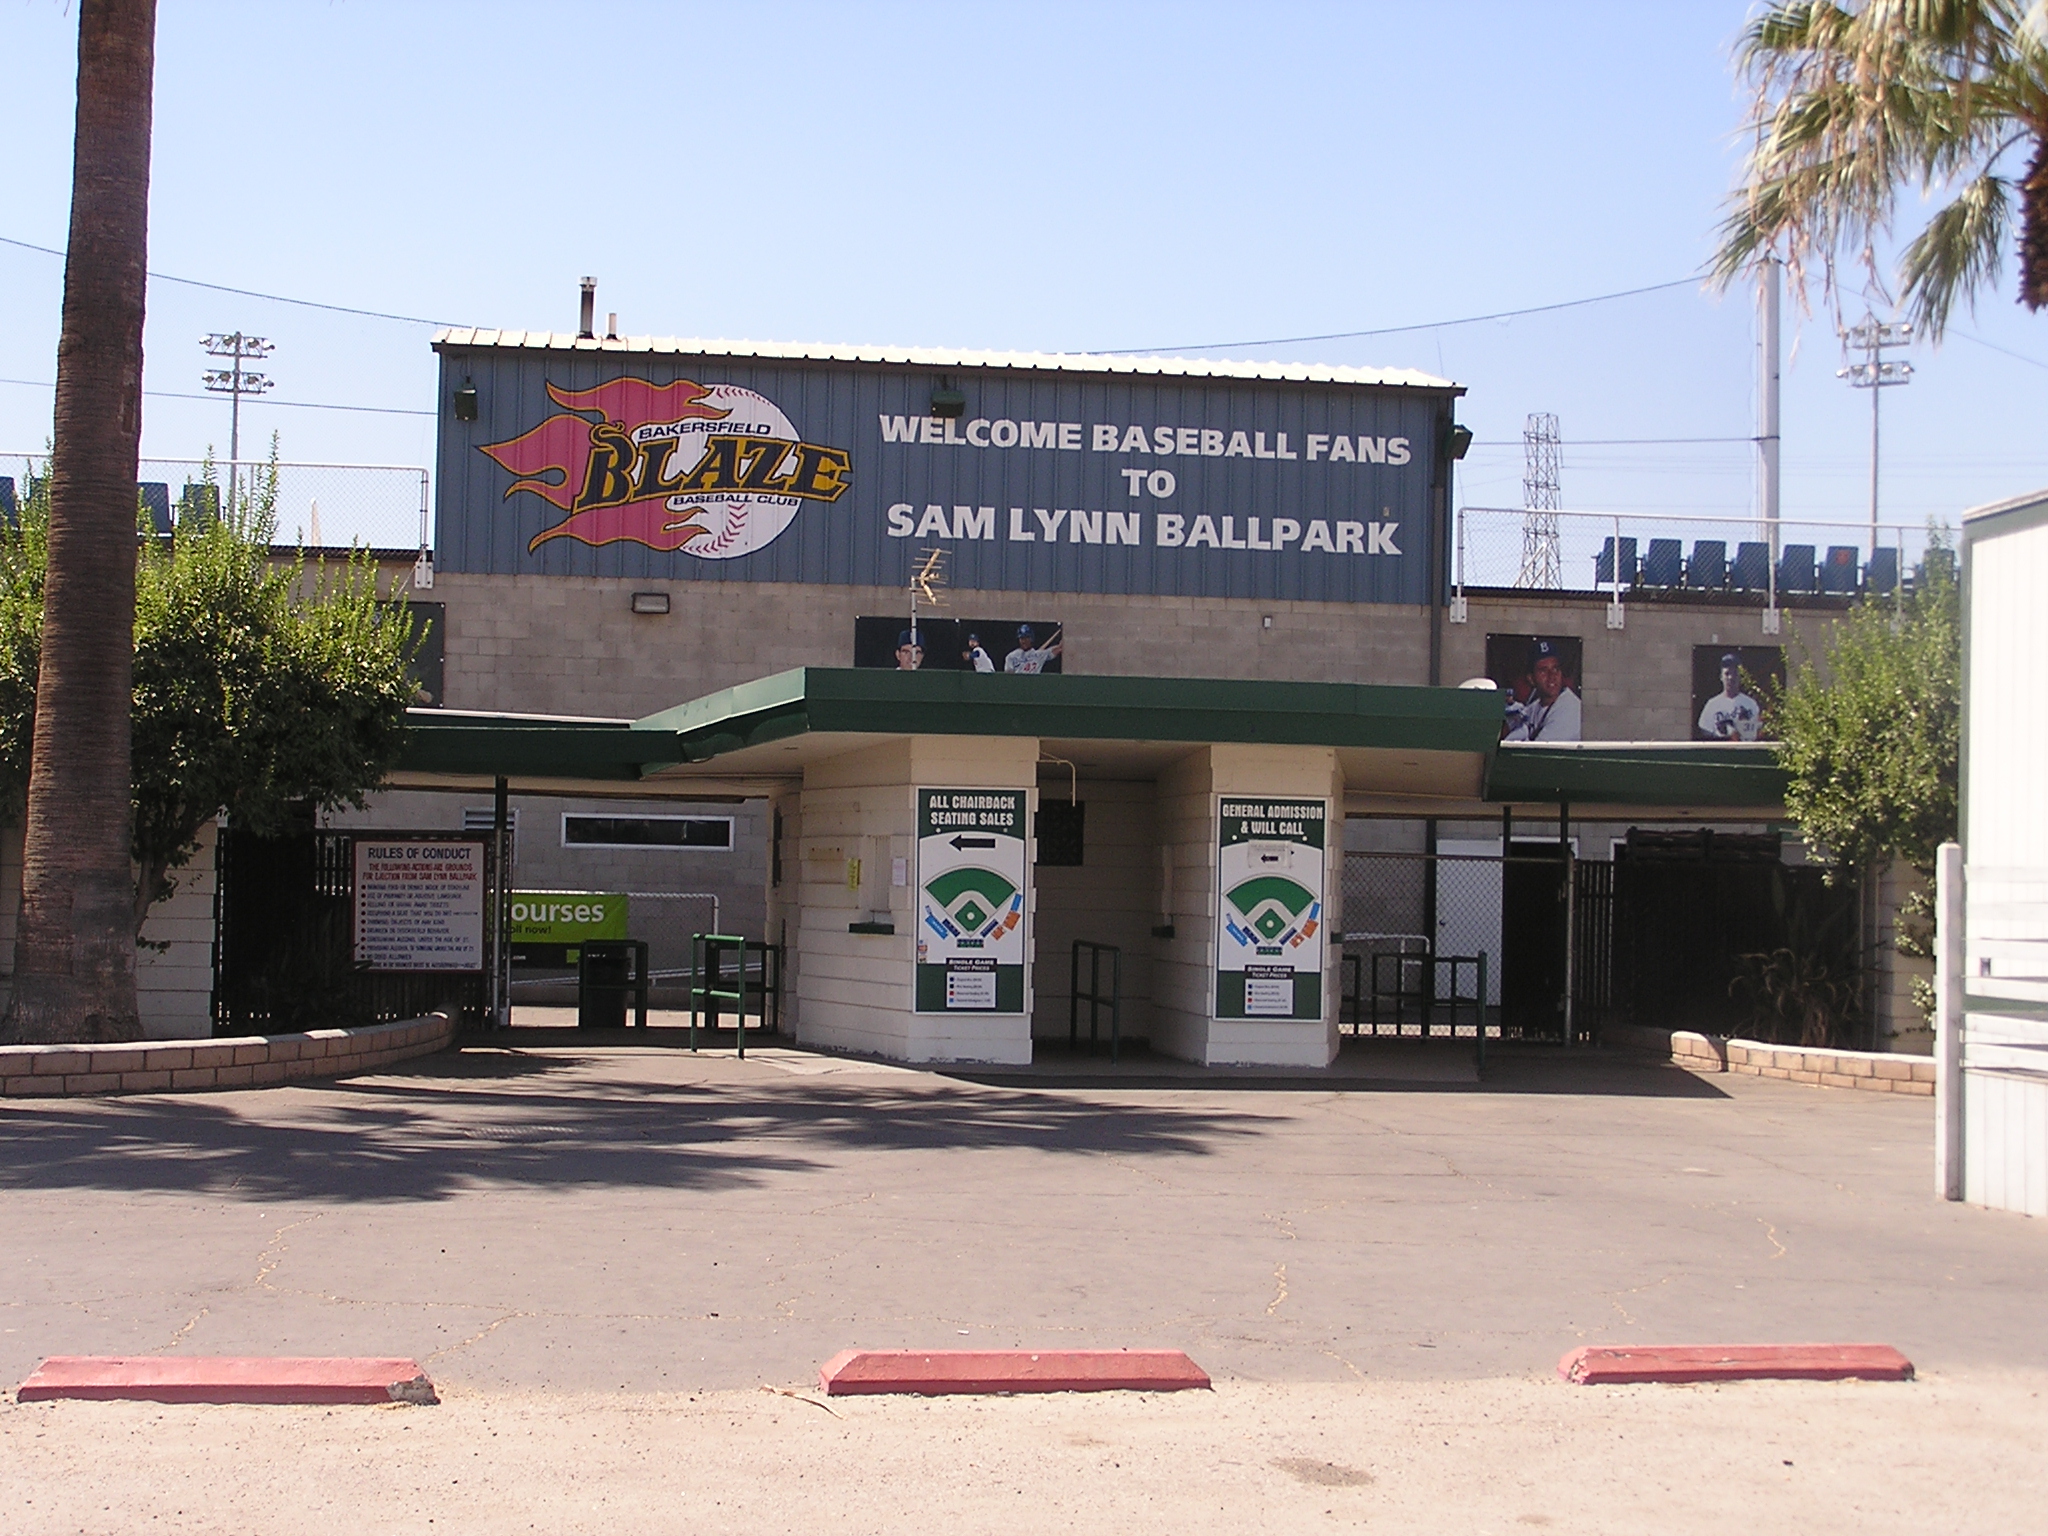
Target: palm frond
[[1853, 106], [1961, 250]]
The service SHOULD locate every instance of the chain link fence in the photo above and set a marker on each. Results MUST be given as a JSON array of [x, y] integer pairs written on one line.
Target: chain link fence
[[1628, 554], [379, 506], [1450, 943]]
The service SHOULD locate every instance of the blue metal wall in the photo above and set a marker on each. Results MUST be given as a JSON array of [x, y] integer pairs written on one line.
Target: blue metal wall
[[1376, 515]]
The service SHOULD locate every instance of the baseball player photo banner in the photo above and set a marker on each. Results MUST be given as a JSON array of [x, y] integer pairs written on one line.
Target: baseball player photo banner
[[1269, 908], [1732, 686], [1544, 683], [972, 901], [1027, 647]]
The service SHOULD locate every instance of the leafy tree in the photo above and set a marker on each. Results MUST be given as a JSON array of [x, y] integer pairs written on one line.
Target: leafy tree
[[74, 954], [259, 684], [1857, 103], [1871, 737], [1871, 740]]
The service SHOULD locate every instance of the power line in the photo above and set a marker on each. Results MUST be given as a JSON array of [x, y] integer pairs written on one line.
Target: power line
[[1610, 442], [251, 293], [297, 405], [1995, 347], [1397, 330]]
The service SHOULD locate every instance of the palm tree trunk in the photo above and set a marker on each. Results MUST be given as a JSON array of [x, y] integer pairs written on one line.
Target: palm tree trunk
[[2034, 228], [74, 965]]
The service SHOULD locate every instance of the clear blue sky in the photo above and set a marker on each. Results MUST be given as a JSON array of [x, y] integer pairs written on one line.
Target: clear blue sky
[[1026, 176]]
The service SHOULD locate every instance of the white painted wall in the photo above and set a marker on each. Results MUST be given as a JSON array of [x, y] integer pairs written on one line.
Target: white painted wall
[[857, 991], [174, 984], [1183, 969], [2004, 1046]]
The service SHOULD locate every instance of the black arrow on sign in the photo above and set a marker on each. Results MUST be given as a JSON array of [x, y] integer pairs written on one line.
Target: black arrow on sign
[[974, 842]]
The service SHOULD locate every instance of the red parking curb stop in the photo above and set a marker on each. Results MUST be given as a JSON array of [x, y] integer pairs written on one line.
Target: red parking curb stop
[[1601, 1365], [226, 1379], [937, 1371]]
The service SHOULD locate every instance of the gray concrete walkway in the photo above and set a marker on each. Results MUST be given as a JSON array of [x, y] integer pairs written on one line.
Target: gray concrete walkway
[[570, 1216]]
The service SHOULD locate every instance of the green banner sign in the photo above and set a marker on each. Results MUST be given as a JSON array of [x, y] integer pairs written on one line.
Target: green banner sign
[[566, 917]]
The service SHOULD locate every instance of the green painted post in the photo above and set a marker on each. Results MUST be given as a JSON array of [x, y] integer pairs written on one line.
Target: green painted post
[[1482, 1013]]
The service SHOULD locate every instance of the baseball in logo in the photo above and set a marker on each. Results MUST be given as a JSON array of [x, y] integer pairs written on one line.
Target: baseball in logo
[[715, 471]]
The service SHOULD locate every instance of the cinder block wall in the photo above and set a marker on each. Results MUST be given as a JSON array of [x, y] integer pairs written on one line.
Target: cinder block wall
[[173, 964]]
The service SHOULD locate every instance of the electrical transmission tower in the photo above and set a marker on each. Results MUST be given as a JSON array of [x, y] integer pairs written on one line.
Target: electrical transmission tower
[[1541, 566]]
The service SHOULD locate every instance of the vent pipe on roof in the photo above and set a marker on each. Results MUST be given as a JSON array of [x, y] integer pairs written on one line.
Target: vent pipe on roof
[[587, 320], [611, 326]]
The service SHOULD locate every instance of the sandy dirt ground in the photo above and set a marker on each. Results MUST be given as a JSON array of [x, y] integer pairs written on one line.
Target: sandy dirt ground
[[623, 1264], [1466, 1457]]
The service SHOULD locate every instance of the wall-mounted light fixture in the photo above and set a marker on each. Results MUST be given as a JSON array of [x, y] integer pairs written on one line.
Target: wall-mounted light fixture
[[650, 602], [465, 402], [948, 401], [1457, 441]]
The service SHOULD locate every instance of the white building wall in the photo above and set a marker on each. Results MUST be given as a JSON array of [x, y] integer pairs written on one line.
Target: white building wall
[[2004, 1097], [857, 991], [173, 961], [1184, 1001]]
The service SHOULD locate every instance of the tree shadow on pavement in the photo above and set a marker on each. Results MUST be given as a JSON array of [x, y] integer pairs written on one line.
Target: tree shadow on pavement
[[445, 1130]]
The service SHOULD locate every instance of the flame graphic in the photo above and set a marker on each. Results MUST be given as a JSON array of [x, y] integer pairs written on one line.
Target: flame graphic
[[561, 444], [647, 522]]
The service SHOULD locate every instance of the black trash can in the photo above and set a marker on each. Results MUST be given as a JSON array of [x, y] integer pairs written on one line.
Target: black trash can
[[604, 980]]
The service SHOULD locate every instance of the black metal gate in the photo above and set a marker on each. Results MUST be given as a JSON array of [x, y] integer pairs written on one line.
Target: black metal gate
[[283, 951]]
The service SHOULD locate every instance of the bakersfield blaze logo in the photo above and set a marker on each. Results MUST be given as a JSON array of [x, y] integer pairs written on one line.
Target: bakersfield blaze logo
[[716, 471]]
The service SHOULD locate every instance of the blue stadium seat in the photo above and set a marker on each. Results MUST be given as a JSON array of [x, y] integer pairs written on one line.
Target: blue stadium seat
[[1936, 559], [1752, 569], [1708, 568], [1603, 565], [1882, 574], [1664, 565], [156, 500], [1839, 571], [1795, 568], [198, 503]]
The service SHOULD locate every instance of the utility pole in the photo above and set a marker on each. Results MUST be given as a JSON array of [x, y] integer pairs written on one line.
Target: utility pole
[[1541, 489], [236, 381], [1876, 375], [1767, 438]]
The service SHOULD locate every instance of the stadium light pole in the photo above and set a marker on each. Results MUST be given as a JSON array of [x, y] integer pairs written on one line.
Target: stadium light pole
[[1871, 338], [236, 381]]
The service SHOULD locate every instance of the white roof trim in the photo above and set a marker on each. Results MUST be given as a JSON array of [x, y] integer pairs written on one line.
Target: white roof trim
[[946, 357]]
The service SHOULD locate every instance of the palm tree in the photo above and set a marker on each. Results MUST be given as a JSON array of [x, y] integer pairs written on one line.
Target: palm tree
[[74, 966], [1856, 103]]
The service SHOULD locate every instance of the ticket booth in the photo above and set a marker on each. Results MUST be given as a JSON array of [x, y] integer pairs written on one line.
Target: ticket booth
[[918, 919]]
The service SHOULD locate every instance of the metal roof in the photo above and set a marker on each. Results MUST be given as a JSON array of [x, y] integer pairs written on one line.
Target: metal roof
[[949, 357], [1390, 740], [2020, 508]]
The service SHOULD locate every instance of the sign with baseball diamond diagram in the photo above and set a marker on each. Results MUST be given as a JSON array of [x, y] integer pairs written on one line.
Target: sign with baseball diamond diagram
[[1269, 909], [971, 900]]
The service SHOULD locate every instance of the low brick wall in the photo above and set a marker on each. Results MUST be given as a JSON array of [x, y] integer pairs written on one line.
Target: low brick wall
[[248, 1061], [1871, 1071]]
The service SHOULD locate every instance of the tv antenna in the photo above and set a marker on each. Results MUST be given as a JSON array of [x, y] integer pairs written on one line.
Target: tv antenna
[[928, 581]]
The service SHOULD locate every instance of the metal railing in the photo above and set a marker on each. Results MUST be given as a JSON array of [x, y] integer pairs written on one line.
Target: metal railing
[[1625, 554], [1095, 997], [709, 994], [379, 506]]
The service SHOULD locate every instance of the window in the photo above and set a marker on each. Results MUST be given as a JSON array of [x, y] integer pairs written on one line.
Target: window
[[646, 831], [1058, 830]]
